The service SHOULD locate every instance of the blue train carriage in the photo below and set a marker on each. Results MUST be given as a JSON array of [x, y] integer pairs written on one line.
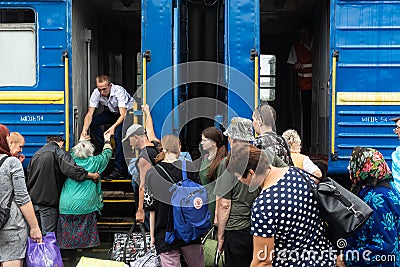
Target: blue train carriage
[[42, 95], [214, 48], [354, 65], [51, 52], [364, 70], [34, 77]]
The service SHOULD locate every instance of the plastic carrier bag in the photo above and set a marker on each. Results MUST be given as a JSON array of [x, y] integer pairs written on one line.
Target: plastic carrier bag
[[45, 254]]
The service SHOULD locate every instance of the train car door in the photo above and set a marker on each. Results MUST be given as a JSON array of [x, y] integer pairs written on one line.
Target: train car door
[[365, 92], [33, 76], [242, 48], [157, 57]]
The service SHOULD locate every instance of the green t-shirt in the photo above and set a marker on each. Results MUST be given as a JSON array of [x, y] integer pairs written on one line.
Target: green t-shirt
[[209, 185], [229, 187]]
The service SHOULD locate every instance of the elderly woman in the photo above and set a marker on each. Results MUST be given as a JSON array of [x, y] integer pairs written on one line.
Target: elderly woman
[[377, 243], [79, 200], [285, 225], [14, 195], [299, 160]]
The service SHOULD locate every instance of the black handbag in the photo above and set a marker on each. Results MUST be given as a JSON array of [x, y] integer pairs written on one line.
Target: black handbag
[[342, 212]]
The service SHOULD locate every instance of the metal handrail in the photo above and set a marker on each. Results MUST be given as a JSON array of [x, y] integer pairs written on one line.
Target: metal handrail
[[333, 116], [66, 84]]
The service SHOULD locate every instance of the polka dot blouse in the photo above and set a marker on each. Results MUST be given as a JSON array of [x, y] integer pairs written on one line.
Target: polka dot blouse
[[288, 212]]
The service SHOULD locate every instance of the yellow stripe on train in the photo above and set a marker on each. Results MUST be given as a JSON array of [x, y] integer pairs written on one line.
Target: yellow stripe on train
[[31, 97], [368, 98]]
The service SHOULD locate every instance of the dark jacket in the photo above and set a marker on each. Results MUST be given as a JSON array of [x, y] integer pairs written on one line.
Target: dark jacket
[[47, 171]]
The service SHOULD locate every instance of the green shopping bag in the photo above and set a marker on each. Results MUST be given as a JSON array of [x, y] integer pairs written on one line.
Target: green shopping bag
[[210, 246]]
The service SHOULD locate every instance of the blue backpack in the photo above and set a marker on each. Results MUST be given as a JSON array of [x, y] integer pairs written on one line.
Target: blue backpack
[[189, 208]]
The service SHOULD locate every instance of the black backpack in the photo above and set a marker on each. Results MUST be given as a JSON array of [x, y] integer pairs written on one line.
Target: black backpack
[[5, 212]]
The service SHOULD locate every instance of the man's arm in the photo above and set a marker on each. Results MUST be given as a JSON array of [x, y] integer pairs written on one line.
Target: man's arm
[[122, 112], [143, 166], [224, 209], [151, 135], [69, 168], [87, 121]]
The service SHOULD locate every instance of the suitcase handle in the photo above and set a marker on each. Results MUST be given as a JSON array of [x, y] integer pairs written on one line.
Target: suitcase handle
[[142, 231]]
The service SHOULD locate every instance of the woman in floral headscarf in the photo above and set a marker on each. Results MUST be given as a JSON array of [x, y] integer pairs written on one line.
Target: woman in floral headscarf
[[377, 243]]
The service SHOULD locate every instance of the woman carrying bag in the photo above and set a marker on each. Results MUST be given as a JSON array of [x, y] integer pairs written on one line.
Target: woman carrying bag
[[285, 223], [14, 197], [159, 203]]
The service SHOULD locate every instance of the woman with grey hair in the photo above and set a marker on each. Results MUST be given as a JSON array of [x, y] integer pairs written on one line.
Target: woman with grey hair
[[301, 161], [79, 200]]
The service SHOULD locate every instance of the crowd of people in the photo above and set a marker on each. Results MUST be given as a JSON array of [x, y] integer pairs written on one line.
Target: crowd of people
[[258, 199]]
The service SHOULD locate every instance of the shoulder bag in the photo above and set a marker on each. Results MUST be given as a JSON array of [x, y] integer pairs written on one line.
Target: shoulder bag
[[342, 212]]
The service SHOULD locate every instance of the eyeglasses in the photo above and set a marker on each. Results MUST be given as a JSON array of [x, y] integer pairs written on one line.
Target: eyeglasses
[[395, 129]]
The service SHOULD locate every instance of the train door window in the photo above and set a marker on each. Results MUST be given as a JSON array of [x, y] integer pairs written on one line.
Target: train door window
[[267, 77], [17, 47]]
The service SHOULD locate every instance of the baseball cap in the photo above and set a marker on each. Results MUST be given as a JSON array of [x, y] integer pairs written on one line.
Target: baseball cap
[[134, 129]]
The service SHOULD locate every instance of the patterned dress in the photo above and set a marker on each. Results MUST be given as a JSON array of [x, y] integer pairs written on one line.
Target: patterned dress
[[288, 212], [377, 243]]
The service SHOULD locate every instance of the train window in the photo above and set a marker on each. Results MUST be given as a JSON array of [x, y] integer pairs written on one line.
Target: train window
[[17, 48], [17, 16], [267, 77]]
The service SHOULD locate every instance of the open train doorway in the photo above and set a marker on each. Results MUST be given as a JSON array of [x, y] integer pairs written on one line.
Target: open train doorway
[[281, 25], [106, 36]]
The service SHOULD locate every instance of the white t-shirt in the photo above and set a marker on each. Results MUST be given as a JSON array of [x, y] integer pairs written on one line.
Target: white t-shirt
[[118, 98], [309, 166]]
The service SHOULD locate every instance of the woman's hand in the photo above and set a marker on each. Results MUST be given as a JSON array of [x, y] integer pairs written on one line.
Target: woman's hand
[[36, 234]]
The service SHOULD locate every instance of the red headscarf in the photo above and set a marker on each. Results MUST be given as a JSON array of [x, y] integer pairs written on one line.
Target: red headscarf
[[4, 133]]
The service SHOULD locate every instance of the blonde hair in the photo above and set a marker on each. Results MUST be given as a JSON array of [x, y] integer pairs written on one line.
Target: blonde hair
[[16, 137], [103, 78], [83, 149], [170, 143], [293, 140]]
